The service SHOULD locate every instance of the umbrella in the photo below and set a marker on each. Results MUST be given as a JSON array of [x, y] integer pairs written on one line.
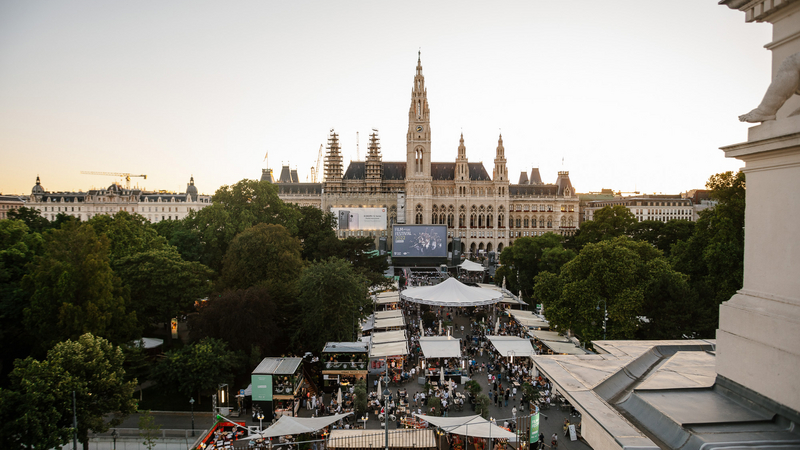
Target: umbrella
[[497, 327], [504, 283], [339, 397], [421, 330], [440, 328], [441, 377], [379, 387]]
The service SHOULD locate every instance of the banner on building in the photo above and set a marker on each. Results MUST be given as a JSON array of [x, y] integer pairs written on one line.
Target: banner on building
[[534, 429], [262, 388], [360, 218]]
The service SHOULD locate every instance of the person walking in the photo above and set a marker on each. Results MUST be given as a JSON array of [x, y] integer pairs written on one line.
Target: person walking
[[554, 441]]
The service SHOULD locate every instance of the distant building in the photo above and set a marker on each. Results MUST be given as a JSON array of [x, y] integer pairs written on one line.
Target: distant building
[[487, 212], [651, 207], [154, 206], [10, 203]]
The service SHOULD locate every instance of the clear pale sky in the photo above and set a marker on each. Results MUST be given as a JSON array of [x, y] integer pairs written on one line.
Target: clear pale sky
[[632, 95]]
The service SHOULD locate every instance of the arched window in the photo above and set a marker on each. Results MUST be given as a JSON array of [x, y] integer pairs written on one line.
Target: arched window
[[461, 220], [563, 221], [472, 220], [450, 220], [549, 222], [418, 218], [489, 221], [541, 222], [519, 222], [434, 219], [441, 219], [500, 220], [526, 222]]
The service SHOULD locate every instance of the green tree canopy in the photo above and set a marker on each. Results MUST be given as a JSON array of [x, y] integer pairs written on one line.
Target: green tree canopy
[[73, 290], [616, 274], [196, 368], [315, 229], [331, 302], [521, 262], [662, 235], [267, 255], [32, 218], [128, 234], [243, 318], [608, 223], [91, 367], [163, 285]]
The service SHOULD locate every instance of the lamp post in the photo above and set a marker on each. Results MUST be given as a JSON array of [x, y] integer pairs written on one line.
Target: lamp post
[[605, 315], [191, 402], [386, 394], [114, 437], [260, 418]]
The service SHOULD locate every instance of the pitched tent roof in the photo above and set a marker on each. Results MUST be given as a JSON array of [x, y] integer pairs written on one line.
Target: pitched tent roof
[[389, 336], [388, 314], [512, 345], [471, 266], [388, 349], [440, 347], [452, 292], [359, 439], [389, 322], [543, 335], [287, 425], [472, 426], [278, 366]]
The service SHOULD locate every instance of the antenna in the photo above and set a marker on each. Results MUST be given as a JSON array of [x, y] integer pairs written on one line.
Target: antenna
[[358, 150]]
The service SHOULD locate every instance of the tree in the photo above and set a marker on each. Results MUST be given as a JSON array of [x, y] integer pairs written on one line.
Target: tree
[[521, 262], [74, 291], [713, 256], [243, 318], [148, 430], [18, 246], [365, 260], [482, 404], [198, 367], [267, 255], [162, 284], [128, 234], [315, 229], [31, 217], [608, 223], [186, 240], [662, 235], [360, 401], [614, 275], [91, 367], [331, 301]]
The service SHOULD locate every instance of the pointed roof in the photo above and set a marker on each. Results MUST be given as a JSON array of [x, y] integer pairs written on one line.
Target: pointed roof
[[452, 292]]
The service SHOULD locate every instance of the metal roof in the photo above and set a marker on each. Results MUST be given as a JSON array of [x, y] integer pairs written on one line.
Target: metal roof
[[278, 366], [345, 347]]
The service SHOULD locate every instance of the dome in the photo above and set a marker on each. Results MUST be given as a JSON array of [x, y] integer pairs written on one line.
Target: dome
[[191, 189], [37, 188]]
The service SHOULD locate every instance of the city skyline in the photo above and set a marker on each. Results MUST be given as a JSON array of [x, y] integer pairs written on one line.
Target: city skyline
[[628, 95]]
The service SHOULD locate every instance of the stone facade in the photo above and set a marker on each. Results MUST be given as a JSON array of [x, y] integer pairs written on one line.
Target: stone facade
[[154, 206], [486, 212], [9, 203], [650, 207]]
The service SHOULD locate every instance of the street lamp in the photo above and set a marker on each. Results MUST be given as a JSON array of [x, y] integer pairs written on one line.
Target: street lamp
[[605, 315], [260, 418], [114, 437], [191, 402]]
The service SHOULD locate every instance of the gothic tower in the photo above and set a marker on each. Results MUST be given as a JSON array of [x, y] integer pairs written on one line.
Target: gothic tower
[[418, 152]]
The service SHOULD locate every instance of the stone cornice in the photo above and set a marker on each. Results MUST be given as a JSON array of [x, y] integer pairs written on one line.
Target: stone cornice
[[758, 10]]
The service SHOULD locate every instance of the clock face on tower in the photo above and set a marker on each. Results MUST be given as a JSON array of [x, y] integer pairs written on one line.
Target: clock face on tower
[[419, 128]]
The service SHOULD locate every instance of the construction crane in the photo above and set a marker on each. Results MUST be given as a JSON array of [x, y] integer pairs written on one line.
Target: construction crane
[[126, 176], [315, 171]]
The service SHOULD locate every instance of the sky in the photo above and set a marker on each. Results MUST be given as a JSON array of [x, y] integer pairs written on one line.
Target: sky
[[629, 95]]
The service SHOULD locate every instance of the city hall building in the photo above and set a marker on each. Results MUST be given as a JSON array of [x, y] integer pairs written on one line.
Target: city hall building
[[487, 212]]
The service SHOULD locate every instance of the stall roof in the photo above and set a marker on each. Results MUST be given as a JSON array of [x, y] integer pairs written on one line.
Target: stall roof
[[376, 439], [452, 292], [440, 347], [528, 319], [385, 298], [564, 348], [512, 345], [508, 297], [388, 349], [391, 322], [389, 336], [278, 366], [388, 314], [472, 426], [471, 266], [543, 335], [346, 347], [368, 324]]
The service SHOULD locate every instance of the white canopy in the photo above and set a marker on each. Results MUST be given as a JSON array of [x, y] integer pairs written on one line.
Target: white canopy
[[297, 425], [385, 298], [512, 345], [547, 336], [391, 322], [440, 347], [388, 314], [388, 349], [470, 266], [472, 426], [389, 336], [528, 319], [452, 292]]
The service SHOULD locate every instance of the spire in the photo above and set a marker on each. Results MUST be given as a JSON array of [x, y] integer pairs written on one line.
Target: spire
[[462, 150], [419, 63], [191, 180], [38, 182]]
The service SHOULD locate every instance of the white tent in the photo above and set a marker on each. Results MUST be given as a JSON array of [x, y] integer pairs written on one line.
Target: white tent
[[391, 322], [547, 336], [388, 349], [512, 345], [452, 292], [528, 319], [471, 426], [440, 347], [389, 336], [287, 425], [470, 266], [388, 314], [360, 439]]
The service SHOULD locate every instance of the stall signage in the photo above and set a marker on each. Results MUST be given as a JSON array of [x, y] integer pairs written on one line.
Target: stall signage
[[534, 430], [262, 388]]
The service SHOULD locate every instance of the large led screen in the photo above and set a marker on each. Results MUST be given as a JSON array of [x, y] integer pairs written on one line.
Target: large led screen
[[419, 241], [360, 218]]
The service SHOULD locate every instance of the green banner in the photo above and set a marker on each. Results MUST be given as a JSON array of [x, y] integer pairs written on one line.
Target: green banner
[[262, 388], [534, 430]]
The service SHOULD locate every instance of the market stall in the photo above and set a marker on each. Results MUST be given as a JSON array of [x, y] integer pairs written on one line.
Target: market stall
[[343, 363], [442, 354], [373, 439], [469, 426], [276, 385]]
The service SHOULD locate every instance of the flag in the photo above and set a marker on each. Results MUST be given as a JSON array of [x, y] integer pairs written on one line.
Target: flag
[[534, 429], [266, 156]]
